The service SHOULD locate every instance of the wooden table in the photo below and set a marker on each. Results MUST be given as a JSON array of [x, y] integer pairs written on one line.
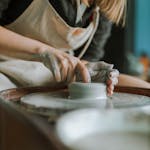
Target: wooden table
[[21, 130]]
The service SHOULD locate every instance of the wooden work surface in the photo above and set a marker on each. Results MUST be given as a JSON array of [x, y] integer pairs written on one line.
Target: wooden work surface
[[21, 130]]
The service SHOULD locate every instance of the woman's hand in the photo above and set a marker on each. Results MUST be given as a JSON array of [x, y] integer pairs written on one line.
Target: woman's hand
[[64, 66], [103, 73]]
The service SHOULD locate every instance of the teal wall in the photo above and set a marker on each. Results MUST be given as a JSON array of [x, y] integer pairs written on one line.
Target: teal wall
[[142, 26]]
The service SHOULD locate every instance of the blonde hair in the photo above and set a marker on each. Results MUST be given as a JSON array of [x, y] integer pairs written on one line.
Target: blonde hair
[[114, 10]]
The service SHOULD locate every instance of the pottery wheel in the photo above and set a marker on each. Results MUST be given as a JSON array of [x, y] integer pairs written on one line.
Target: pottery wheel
[[60, 101]]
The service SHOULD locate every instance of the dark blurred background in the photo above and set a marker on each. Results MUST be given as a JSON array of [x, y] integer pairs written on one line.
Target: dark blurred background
[[128, 48]]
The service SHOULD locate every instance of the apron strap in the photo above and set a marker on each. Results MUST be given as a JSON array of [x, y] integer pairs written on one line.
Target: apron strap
[[80, 10], [96, 23]]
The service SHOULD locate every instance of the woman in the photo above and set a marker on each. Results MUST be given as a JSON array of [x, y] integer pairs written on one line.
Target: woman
[[44, 30]]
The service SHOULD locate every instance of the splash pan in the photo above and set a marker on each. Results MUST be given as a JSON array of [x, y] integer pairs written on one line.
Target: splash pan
[[92, 129], [59, 100]]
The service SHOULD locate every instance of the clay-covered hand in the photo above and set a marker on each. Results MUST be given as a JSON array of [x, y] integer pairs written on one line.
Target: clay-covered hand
[[104, 73], [64, 66]]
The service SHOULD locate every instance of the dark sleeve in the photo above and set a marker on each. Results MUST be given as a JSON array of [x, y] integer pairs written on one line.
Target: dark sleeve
[[3, 6], [66, 10], [96, 49]]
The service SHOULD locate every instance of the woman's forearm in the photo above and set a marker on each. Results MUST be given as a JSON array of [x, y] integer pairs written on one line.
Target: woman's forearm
[[126, 80], [15, 45]]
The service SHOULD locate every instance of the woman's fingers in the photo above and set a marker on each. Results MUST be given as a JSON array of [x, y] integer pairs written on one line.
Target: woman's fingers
[[68, 67], [64, 69], [71, 71], [55, 68], [113, 77], [51, 62], [110, 89], [83, 71], [114, 73], [112, 81], [77, 67], [70, 75]]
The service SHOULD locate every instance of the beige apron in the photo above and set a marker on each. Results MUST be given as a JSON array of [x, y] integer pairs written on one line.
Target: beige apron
[[40, 21]]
